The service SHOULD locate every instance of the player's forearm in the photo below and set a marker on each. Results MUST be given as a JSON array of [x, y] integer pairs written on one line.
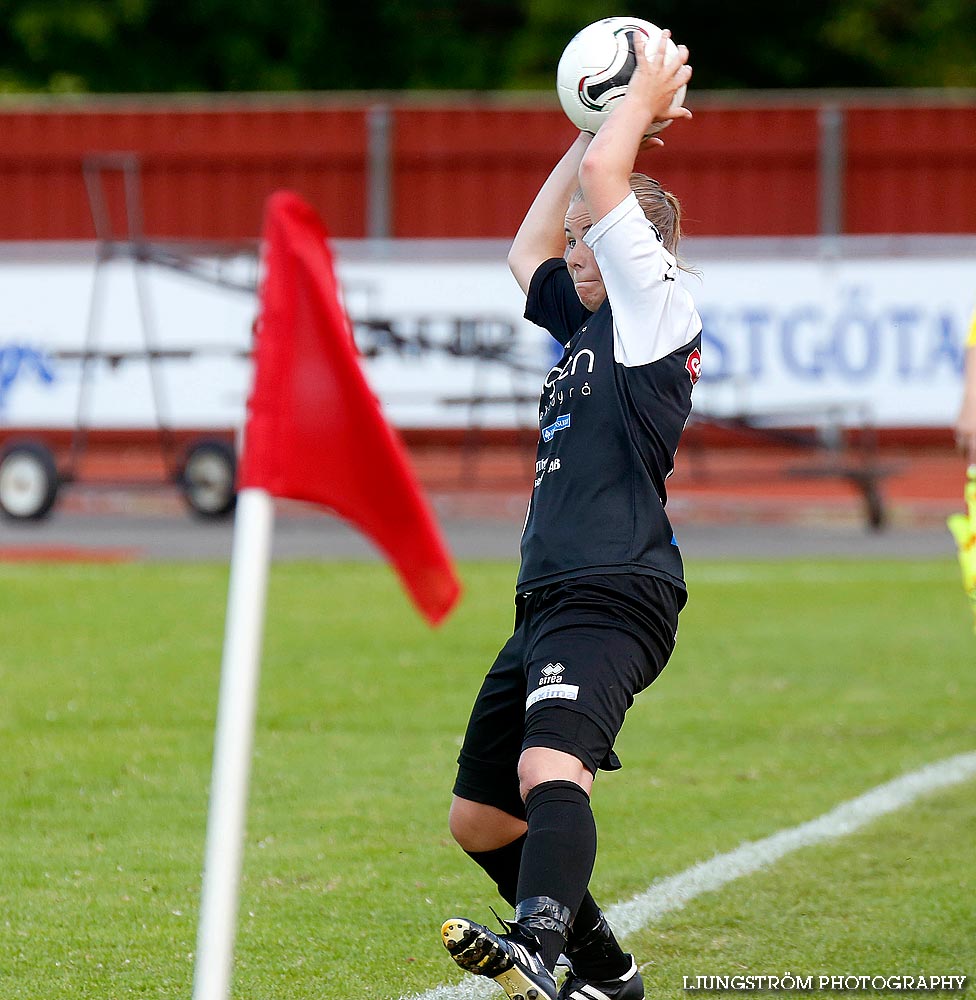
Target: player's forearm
[[604, 173], [969, 386], [966, 421], [541, 234]]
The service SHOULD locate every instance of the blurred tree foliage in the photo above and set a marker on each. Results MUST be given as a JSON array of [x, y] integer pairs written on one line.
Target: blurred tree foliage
[[257, 45]]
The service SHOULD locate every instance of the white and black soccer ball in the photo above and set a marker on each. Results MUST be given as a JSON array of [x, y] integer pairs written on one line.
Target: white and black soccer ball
[[596, 67]]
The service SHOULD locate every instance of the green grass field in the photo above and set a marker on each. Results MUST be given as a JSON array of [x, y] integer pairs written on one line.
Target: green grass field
[[795, 686]]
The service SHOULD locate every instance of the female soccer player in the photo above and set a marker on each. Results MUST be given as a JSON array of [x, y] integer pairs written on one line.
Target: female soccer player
[[601, 580]]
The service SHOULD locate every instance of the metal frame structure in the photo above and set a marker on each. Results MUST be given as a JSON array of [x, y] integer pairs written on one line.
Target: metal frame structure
[[204, 469]]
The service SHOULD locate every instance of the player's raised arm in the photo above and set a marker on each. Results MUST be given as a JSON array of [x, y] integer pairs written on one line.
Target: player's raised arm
[[609, 161], [542, 233]]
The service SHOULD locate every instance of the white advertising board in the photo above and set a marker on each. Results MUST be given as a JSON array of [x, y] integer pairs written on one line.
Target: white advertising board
[[876, 328], [880, 334]]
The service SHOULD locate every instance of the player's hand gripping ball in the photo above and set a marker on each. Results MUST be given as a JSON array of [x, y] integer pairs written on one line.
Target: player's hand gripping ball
[[597, 65]]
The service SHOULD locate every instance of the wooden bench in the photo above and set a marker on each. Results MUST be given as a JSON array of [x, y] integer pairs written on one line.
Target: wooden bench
[[840, 434], [867, 477]]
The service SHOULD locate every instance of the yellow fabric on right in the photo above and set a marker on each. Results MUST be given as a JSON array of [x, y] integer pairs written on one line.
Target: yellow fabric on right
[[963, 528], [971, 339]]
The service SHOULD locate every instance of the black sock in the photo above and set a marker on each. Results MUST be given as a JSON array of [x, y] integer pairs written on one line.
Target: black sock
[[600, 957], [592, 948], [587, 917], [502, 867], [559, 851]]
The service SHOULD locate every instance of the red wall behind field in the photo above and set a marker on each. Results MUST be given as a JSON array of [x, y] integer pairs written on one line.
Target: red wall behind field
[[469, 168], [471, 172], [911, 170], [206, 171], [745, 171]]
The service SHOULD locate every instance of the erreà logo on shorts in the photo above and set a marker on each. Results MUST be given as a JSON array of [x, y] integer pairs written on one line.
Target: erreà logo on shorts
[[548, 433], [551, 673], [550, 686]]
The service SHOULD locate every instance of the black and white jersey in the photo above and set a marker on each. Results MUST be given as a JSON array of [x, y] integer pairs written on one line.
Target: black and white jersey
[[612, 410]]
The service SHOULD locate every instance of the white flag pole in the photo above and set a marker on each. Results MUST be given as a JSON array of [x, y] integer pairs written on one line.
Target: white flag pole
[[239, 673]]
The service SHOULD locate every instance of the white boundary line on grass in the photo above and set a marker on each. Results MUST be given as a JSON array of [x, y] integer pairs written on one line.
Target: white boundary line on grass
[[673, 892]]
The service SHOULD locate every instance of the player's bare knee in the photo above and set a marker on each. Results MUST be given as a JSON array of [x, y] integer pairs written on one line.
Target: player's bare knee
[[461, 821], [478, 827], [539, 764]]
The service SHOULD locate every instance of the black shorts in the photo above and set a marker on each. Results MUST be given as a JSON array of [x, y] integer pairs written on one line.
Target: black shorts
[[581, 651]]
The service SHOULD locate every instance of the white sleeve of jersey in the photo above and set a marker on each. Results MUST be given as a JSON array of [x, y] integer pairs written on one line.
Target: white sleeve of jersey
[[653, 314]]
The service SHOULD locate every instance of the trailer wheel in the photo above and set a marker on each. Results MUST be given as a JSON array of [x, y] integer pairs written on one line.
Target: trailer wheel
[[207, 478], [28, 481]]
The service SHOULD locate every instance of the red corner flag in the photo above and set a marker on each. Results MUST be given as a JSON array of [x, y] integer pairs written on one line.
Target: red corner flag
[[314, 429]]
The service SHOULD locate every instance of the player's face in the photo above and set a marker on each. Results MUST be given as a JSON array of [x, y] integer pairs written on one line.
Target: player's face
[[580, 260]]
